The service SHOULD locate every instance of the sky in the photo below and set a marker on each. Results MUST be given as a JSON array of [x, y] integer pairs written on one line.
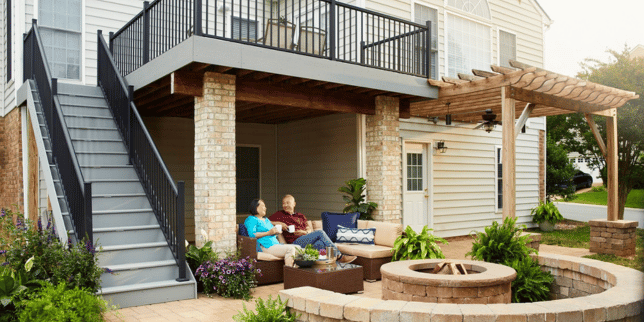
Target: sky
[[587, 28]]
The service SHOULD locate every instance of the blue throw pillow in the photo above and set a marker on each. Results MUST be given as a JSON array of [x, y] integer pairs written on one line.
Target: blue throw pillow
[[244, 232], [330, 222], [356, 235]]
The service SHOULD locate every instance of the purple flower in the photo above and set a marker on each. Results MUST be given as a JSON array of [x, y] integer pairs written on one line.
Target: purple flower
[[107, 270], [5, 263], [2, 252]]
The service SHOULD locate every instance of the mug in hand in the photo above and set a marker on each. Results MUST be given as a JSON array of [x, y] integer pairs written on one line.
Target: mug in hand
[[291, 228], [279, 228]]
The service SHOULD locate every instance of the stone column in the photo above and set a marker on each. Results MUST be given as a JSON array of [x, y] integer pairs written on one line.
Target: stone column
[[215, 186], [613, 237], [384, 157]]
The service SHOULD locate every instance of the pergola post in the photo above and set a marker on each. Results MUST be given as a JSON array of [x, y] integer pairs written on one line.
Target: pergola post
[[611, 166], [508, 154]]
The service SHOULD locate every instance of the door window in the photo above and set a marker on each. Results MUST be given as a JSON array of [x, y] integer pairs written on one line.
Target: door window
[[414, 171]]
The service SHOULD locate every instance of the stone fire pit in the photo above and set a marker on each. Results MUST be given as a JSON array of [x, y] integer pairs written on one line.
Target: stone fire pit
[[485, 283]]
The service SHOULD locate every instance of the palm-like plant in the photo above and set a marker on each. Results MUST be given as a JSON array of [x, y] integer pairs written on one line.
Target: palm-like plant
[[355, 199], [412, 245]]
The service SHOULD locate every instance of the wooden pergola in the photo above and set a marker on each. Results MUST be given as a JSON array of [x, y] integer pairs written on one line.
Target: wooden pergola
[[527, 91]]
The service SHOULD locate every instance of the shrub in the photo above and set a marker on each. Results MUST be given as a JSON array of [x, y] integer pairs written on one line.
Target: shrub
[[546, 211], [500, 243], [74, 264], [197, 256], [355, 199], [14, 287], [598, 189], [228, 277], [271, 310], [411, 245], [60, 303], [532, 284]]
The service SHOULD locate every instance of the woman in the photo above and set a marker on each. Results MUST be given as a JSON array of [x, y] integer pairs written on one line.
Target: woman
[[262, 229]]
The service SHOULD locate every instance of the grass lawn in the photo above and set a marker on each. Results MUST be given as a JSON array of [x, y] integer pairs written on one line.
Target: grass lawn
[[579, 237], [635, 198]]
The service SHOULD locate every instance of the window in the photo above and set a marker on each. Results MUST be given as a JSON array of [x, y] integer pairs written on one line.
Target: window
[[476, 7], [507, 48], [423, 14], [499, 179], [244, 29], [414, 171], [580, 160], [60, 22], [468, 46]]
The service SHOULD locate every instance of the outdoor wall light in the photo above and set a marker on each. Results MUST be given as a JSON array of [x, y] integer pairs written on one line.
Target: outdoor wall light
[[441, 147], [448, 119]]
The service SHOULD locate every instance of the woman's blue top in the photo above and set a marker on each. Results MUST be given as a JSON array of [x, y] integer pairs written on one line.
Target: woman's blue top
[[255, 225]]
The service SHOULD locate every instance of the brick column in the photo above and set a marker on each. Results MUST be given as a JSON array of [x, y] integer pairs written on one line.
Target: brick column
[[384, 157], [613, 237], [215, 186], [11, 192]]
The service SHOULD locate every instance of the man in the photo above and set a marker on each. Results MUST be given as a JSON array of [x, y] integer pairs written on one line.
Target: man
[[303, 235]]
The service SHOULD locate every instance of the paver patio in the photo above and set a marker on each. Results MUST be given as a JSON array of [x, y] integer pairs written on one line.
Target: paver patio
[[217, 308]]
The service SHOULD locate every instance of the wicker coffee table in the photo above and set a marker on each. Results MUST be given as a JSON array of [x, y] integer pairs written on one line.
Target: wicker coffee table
[[344, 278]]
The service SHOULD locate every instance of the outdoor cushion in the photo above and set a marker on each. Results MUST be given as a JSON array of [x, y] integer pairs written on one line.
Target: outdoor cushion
[[330, 222], [355, 235], [263, 256], [365, 251], [386, 232]]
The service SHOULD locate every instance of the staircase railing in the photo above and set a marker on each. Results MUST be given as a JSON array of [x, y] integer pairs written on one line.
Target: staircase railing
[[77, 192], [326, 29], [166, 198]]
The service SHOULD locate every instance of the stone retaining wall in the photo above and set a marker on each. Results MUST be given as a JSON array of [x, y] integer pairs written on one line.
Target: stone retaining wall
[[622, 299], [613, 237]]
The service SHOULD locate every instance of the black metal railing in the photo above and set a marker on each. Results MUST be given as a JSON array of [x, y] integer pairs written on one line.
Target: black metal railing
[[77, 192], [166, 198], [321, 28]]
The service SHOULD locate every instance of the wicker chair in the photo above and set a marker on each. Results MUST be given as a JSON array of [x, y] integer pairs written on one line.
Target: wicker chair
[[272, 271]]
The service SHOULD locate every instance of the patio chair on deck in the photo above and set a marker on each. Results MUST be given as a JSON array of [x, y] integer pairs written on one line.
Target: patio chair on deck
[[279, 33], [312, 40]]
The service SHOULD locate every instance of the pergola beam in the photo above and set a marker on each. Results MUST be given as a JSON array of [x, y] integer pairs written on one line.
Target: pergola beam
[[611, 165], [508, 154], [523, 118], [598, 137]]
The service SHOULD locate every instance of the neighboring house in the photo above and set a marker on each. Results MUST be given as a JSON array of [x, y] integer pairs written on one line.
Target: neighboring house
[[584, 164], [237, 119], [637, 52]]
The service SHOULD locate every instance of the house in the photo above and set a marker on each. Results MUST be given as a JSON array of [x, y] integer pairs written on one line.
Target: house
[[637, 51], [255, 99], [585, 164]]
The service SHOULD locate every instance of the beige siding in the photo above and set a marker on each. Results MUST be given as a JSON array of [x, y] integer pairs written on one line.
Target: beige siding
[[263, 135], [315, 157], [106, 16], [174, 138], [464, 178]]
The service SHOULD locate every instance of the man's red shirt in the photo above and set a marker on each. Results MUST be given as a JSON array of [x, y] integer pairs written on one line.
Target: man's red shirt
[[297, 219]]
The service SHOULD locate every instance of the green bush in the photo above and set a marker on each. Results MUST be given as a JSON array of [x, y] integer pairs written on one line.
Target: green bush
[[546, 212], [598, 189], [271, 310], [74, 264], [228, 277], [197, 256], [14, 287], [411, 245], [355, 199], [60, 303], [307, 254], [532, 284], [501, 243]]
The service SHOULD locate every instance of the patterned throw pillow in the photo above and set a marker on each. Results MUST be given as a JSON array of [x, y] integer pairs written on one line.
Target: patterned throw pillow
[[356, 235]]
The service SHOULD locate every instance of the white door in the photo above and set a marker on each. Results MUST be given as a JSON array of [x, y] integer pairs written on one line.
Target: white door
[[416, 186]]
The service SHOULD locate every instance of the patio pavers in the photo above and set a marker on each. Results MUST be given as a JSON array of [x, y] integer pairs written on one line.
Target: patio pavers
[[217, 308]]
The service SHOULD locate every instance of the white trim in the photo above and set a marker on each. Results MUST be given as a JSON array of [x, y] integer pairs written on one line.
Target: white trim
[[498, 43], [438, 14], [25, 160], [362, 168]]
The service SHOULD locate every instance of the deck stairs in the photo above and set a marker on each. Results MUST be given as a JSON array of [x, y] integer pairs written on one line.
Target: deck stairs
[[124, 225]]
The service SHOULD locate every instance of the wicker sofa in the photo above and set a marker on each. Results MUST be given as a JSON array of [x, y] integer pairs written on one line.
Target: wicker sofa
[[370, 257]]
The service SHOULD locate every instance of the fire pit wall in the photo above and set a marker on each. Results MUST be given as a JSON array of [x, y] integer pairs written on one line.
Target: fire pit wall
[[621, 300], [486, 283]]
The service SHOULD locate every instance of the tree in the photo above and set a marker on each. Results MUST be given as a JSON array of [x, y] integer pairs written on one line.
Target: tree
[[572, 131], [559, 171]]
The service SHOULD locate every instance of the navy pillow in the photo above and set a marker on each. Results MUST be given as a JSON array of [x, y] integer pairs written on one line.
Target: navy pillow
[[330, 222], [243, 231]]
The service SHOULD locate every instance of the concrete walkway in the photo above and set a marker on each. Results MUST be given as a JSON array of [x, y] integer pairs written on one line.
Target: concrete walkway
[[217, 308]]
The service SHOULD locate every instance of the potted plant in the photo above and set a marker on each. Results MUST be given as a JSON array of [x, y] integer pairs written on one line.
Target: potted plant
[[546, 215], [355, 199], [306, 257], [411, 245]]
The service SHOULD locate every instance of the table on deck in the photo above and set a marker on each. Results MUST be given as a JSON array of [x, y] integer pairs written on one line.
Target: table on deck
[[343, 278]]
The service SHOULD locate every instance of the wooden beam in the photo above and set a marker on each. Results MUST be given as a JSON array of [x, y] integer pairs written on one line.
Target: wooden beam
[[483, 73], [404, 109], [186, 83], [497, 81], [304, 97], [611, 165], [508, 154], [598, 137], [554, 101], [523, 118]]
